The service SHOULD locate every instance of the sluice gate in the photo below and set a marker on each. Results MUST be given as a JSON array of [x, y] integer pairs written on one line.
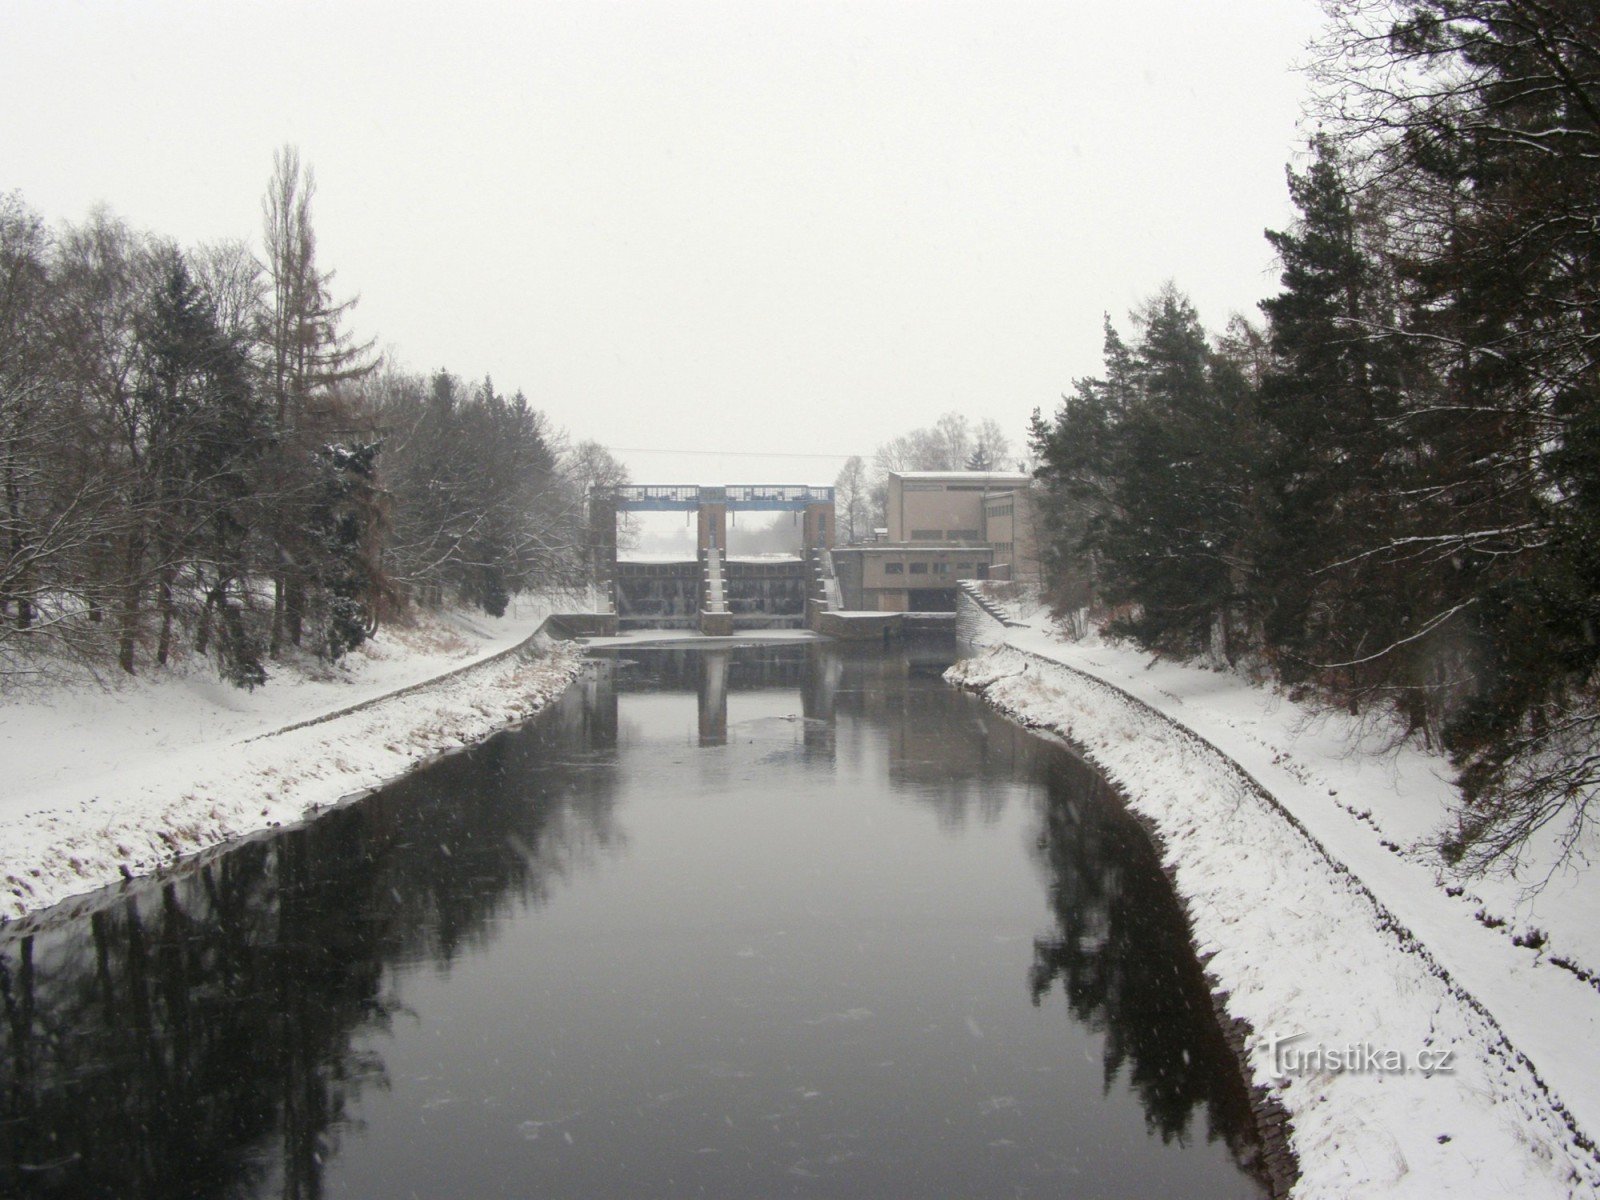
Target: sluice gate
[[713, 592]]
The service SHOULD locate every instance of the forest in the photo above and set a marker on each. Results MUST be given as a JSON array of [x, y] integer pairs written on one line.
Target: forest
[[198, 457], [1386, 493]]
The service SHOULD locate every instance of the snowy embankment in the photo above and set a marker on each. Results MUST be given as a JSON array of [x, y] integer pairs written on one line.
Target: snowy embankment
[[1301, 856], [106, 782]]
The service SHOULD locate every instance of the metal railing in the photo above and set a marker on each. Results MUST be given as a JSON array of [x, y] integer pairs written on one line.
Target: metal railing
[[747, 497]]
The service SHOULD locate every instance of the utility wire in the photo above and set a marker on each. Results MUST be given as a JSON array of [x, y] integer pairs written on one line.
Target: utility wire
[[724, 453]]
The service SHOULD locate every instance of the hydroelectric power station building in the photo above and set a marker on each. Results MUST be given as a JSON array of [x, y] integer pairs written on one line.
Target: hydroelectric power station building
[[942, 527]]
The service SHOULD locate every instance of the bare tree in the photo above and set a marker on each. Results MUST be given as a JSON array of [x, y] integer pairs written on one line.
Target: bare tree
[[103, 272], [234, 284], [851, 499]]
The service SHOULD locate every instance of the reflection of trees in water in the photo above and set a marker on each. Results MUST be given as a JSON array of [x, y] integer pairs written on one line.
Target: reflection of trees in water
[[1123, 958], [195, 1039], [198, 1038], [947, 750]]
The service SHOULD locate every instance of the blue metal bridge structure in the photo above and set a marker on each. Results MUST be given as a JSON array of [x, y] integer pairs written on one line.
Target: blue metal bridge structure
[[737, 497], [711, 592]]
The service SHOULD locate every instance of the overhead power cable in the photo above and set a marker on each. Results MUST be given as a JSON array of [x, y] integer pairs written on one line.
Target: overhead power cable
[[724, 453]]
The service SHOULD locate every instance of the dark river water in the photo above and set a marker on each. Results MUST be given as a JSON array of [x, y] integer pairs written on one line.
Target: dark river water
[[790, 920]]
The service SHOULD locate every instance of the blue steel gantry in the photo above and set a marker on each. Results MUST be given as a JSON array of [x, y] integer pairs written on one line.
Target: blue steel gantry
[[735, 497]]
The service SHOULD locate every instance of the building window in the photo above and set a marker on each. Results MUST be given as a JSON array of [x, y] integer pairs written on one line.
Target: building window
[[941, 568], [926, 535], [890, 568], [919, 568], [963, 568]]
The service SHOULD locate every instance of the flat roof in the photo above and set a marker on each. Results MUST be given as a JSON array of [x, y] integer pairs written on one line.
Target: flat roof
[[1011, 477]]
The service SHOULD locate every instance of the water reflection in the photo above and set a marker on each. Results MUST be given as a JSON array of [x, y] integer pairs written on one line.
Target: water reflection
[[1122, 957], [232, 1031], [196, 1038]]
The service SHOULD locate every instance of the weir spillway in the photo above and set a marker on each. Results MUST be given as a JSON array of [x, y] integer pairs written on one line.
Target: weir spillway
[[757, 594], [714, 592]]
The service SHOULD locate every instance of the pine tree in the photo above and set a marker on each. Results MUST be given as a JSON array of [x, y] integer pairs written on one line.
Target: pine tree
[[308, 358], [1077, 494], [204, 435], [1328, 406], [1171, 540]]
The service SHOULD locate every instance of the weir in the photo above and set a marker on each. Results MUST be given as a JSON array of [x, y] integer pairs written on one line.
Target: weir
[[713, 592]]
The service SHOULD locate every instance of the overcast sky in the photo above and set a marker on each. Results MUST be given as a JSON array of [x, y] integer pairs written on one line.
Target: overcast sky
[[743, 228]]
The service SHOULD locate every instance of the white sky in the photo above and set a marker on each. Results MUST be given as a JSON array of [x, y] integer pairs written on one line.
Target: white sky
[[740, 227]]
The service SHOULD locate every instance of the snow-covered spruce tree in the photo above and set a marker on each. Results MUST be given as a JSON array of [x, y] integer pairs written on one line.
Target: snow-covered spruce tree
[[1479, 120], [1171, 544], [1073, 451], [1335, 582], [346, 523], [479, 509], [205, 434]]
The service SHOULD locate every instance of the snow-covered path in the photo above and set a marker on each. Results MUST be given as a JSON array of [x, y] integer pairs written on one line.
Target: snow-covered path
[[101, 783], [1301, 855]]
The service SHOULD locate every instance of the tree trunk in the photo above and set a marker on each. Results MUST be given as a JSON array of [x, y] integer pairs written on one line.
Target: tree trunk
[[202, 637], [128, 636], [275, 641], [164, 642], [294, 608], [14, 510]]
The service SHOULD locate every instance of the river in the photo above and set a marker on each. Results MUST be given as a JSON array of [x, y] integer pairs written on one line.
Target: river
[[782, 920]]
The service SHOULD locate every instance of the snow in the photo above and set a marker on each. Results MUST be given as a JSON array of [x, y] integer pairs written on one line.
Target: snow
[[107, 781], [1301, 845], [1300, 842]]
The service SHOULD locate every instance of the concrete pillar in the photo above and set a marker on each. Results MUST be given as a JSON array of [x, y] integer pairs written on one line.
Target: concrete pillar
[[818, 526], [713, 526], [603, 542], [816, 532], [716, 624]]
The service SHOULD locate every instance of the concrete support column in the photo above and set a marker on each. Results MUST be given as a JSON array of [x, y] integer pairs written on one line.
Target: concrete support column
[[603, 542], [816, 534], [713, 526], [818, 526], [712, 531]]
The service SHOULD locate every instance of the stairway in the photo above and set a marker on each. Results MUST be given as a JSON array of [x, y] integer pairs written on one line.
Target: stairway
[[995, 610], [715, 619], [827, 582], [716, 589]]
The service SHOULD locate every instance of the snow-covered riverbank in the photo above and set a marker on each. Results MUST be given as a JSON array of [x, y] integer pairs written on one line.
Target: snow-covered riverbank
[[100, 783], [1302, 857]]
